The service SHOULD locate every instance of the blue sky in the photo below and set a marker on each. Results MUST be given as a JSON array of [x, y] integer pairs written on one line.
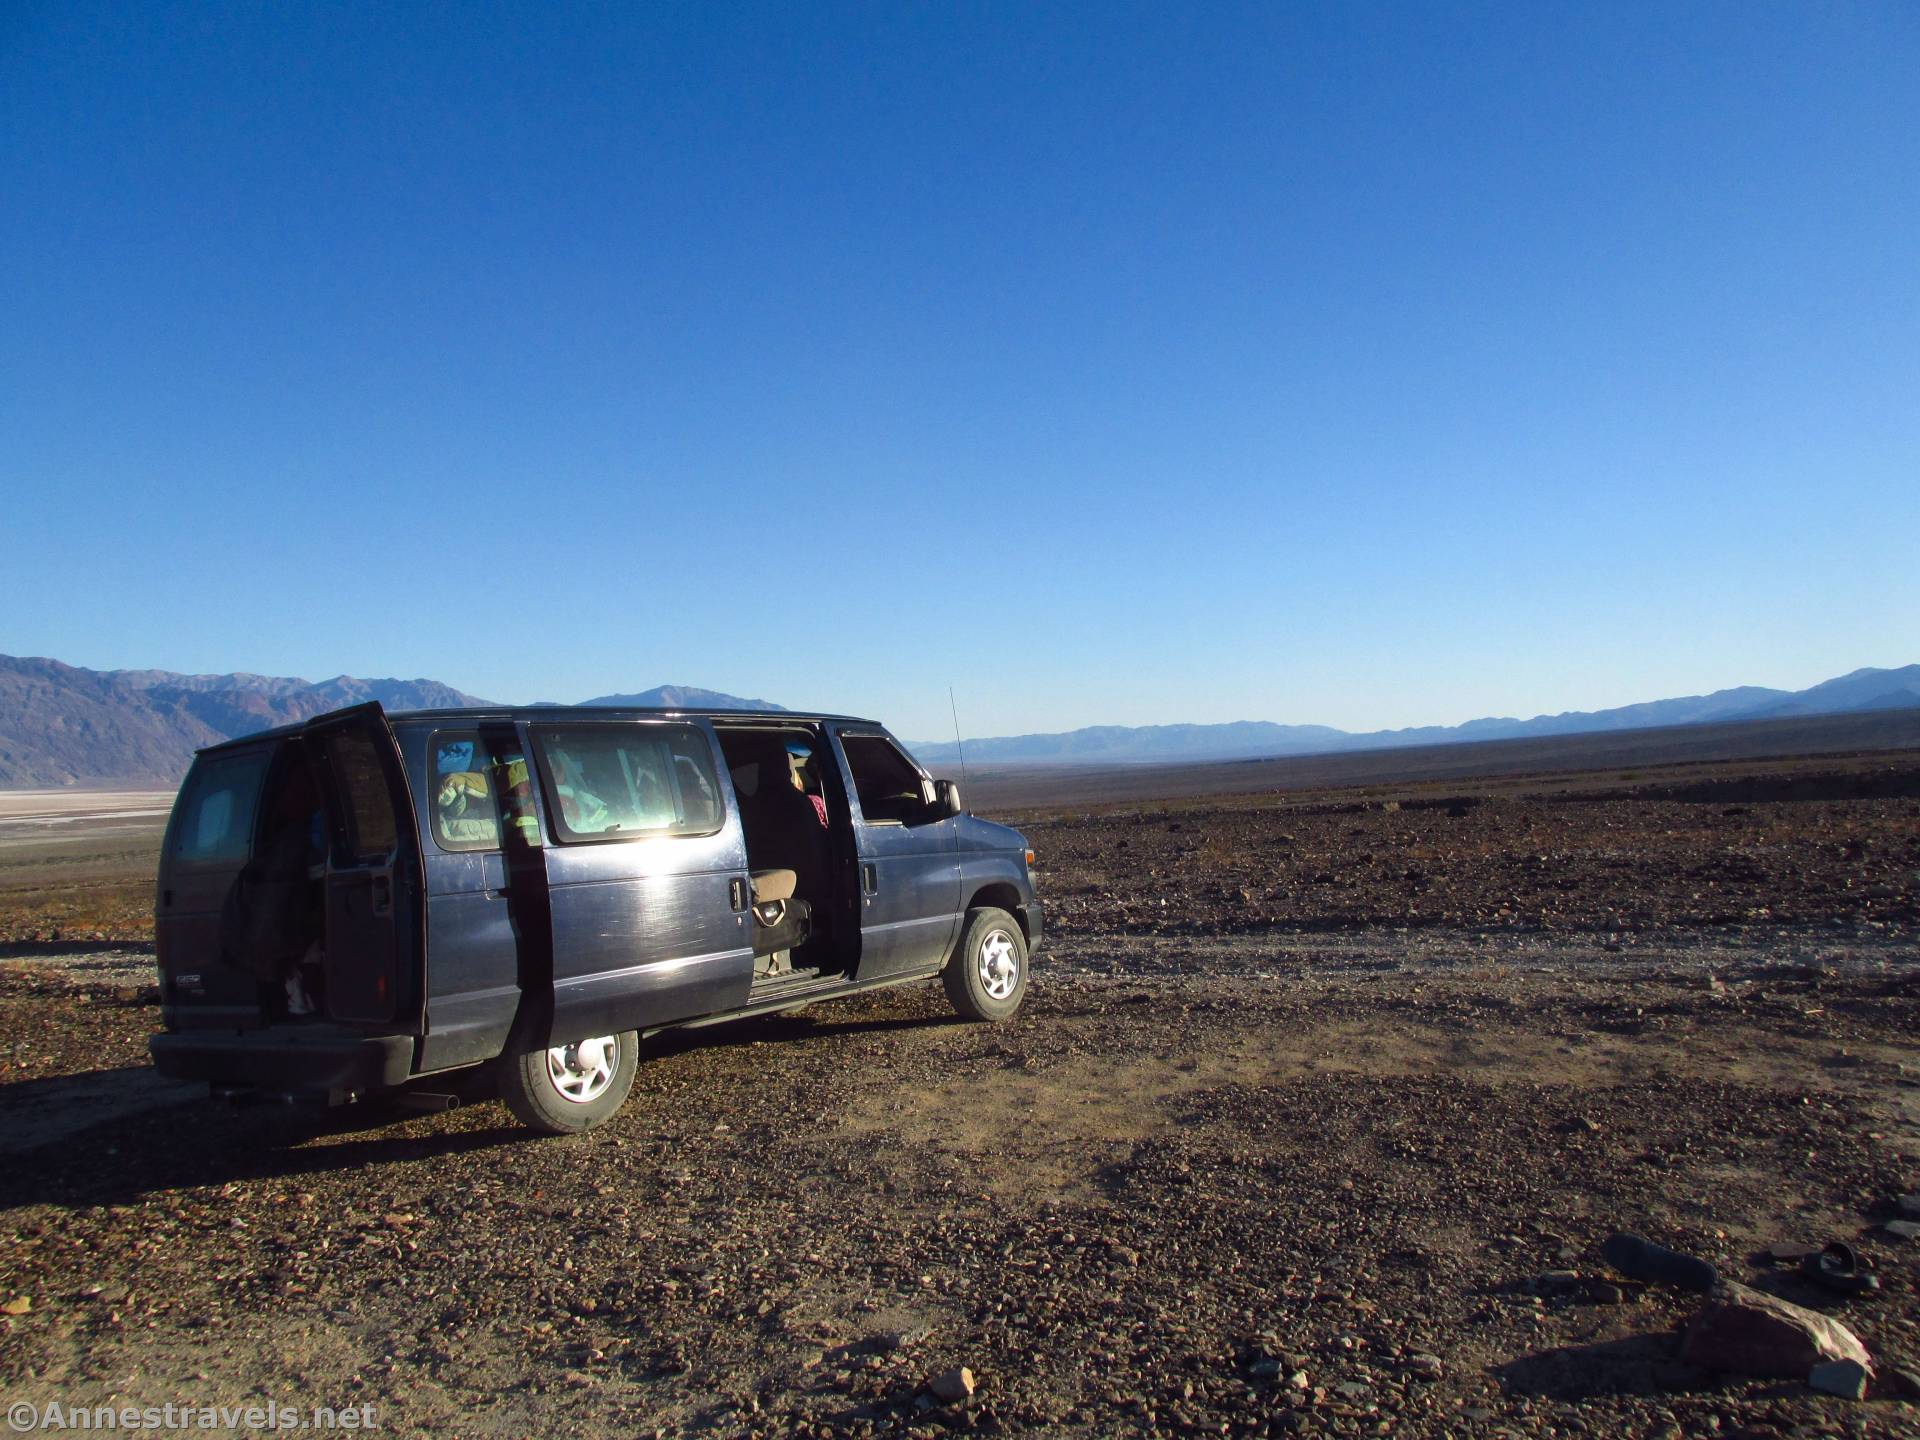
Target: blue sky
[[1357, 364]]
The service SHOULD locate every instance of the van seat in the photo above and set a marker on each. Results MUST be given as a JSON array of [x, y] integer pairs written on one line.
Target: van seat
[[772, 885]]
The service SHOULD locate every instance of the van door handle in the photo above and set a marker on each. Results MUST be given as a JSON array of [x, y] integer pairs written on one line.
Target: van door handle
[[869, 880], [737, 893]]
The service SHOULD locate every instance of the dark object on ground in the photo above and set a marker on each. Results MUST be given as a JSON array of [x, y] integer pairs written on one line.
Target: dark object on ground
[[1639, 1259], [1746, 1332], [1838, 1269]]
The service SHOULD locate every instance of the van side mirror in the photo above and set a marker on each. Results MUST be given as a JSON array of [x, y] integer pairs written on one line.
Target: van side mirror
[[946, 800]]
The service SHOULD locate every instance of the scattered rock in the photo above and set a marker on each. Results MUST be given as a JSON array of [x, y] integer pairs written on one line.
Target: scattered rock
[[1640, 1259], [1910, 1206], [1903, 1229], [1845, 1378], [19, 1305], [1746, 1332], [1427, 1367], [954, 1387]]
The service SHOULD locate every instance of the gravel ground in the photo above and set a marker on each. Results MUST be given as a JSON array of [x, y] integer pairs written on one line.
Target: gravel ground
[[1342, 1172]]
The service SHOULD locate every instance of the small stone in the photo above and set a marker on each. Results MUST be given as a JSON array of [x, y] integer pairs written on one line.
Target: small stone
[[19, 1305], [1298, 1380], [1125, 1255], [1910, 1206], [1265, 1369], [1904, 1229], [1560, 1279], [1845, 1378], [953, 1387], [1607, 1293], [1427, 1367], [1907, 1382]]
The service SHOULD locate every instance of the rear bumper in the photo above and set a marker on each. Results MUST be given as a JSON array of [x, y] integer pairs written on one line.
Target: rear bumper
[[302, 1060]]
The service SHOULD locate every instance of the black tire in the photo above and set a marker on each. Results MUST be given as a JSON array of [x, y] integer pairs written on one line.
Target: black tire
[[990, 939], [532, 1090]]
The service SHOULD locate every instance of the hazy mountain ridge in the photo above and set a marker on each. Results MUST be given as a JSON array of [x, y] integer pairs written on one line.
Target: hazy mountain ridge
[[1865, 689], [64, 725], [681, 697]]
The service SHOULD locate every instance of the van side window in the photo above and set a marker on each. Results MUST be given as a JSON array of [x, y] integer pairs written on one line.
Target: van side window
[[368, 831], [469, 793], [887, 783], [619, 782], [216, 806]]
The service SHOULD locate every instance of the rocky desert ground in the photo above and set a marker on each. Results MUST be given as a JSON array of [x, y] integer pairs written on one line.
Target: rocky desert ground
[[1320, 1109]]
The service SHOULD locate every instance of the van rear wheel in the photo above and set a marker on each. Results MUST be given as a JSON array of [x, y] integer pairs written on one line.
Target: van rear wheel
[[986, 978], [569, 1088]]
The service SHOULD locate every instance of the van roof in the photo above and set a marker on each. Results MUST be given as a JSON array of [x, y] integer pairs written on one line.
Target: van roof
[[549, 712]]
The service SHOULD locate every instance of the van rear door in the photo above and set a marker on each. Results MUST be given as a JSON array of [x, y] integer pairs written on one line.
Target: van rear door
[[375, 957], [209, 841]]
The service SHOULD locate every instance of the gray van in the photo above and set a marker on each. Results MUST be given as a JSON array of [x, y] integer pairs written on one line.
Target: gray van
[[362, 902]]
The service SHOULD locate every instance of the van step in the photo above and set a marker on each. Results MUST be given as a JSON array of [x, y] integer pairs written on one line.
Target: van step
[[764, 986]]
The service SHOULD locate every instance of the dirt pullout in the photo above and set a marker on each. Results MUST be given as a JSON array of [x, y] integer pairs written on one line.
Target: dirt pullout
[[1142, 1207]]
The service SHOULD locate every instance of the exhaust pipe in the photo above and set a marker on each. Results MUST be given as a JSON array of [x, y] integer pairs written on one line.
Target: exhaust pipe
[[428, 1101]]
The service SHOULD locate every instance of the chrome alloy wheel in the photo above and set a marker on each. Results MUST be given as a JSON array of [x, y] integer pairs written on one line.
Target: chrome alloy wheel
[[999, 964], [582, 1072]]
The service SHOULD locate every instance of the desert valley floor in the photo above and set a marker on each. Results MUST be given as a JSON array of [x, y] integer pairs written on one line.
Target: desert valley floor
[[1321, 1104]]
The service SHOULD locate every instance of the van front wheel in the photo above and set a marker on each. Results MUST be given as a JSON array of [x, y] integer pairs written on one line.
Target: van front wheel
[[986, 978], [570, 1088]]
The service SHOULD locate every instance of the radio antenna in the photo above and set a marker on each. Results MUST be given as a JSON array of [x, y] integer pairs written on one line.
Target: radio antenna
[[957, 745]]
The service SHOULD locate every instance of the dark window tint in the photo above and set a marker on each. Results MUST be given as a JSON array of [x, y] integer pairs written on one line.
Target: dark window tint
[[618, 782], [367, 829], [470, 790], [886, 781], [214, 815]]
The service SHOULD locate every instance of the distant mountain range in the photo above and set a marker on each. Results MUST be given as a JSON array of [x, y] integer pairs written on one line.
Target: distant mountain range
[[681, 697], [62, 725], [1258, 739]]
